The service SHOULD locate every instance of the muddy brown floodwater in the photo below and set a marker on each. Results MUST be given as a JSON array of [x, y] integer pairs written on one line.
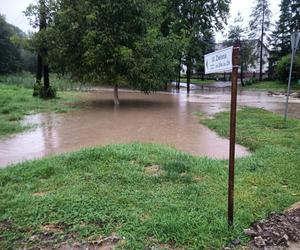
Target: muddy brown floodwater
[[166, 118]]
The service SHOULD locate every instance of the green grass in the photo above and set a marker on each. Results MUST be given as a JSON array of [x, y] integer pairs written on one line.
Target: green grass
[[26, 80], [271, 85], [98, 191], [198, 81], [17, 101]]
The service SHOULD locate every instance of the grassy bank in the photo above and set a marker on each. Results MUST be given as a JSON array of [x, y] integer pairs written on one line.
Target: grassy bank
[[272, 86], [17, 101], [198, 81], [152, 195]]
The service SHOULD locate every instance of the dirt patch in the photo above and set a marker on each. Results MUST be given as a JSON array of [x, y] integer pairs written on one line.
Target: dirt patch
[[53, 228], [154, 170], [107, 243], [296, 206], [40, 194], [278, 231], [198, 178], [155, 244], [48, 241], [5, 225]]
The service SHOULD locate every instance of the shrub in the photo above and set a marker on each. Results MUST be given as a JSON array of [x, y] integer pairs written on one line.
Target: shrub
[[250, 81], [283, 68]]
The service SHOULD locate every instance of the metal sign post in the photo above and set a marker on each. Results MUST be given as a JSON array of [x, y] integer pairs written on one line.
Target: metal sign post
[[294, 42], [234, 79], [221, 61]]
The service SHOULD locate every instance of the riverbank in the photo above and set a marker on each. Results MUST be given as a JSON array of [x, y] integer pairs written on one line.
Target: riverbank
[[146, 195]]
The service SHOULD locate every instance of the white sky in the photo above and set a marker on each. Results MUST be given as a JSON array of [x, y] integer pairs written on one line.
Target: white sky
[[13, 9]]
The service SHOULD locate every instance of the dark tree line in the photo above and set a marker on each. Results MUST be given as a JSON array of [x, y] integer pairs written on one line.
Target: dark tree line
[[14, 55], [289, 22]]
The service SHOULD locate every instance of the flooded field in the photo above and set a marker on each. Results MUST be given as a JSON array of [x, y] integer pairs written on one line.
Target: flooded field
[[166, 118]]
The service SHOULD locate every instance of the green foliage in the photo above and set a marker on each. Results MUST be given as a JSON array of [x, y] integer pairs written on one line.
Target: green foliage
[[27, 80], [269, 85], [282, 35], [15, 51], [10, 58], [17, 101], [109, 43], [260, 22], [283, 68], [189, 20], [250, 81], [99, 191], [295, 21], [238, 34]]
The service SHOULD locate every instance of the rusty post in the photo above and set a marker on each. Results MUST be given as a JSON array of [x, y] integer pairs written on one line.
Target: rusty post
[[234, 79]]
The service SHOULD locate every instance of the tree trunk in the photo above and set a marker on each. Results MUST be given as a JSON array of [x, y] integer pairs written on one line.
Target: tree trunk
[[179, 75], [116, 94], [188, 74], [39, 70], [261, 46], [242, 75], [46, 77]]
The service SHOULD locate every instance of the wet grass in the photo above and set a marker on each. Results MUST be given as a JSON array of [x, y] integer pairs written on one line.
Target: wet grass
[[151, 195], [16, 101], [27, 79], [199, 81], [272, 86]]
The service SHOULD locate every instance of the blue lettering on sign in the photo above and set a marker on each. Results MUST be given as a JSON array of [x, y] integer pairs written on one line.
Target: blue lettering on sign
[[221, 57]]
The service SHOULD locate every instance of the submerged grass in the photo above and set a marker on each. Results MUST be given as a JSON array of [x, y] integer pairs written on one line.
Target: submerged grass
[[17, 101], [180, 202]]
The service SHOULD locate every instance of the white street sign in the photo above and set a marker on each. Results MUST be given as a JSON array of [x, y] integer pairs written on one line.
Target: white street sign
[[295, 40], [219, 61]]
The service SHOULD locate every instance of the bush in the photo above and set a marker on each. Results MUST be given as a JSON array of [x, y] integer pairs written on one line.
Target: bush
[[250, 81], [283, 68]]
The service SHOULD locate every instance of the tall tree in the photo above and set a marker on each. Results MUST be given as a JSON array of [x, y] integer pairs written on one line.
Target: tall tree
[[281, 37], [260, 24], [295, 22], [238, 34], [194, 19], [111, 42], [40, 16]]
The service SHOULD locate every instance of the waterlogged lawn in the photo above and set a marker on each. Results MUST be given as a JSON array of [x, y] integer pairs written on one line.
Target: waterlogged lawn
[[151, 195], [17, 101]]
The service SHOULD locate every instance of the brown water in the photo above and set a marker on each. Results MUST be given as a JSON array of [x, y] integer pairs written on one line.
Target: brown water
[[160, 118]]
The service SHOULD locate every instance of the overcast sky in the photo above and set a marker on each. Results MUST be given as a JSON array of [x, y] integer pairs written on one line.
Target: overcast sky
[[13, 9]]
